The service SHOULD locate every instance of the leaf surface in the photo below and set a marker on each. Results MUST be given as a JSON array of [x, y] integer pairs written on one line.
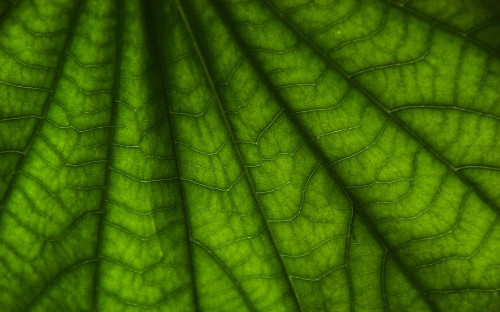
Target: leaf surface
[[193, 155]]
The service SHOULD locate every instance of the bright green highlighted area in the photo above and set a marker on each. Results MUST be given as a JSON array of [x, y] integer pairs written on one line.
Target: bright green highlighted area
[[249, 155]]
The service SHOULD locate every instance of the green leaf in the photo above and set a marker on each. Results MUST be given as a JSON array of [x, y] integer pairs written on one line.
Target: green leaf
[[236, 155]]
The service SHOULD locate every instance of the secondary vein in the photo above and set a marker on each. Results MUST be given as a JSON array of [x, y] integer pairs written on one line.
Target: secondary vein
[[109, 153], [237, 149], [154, 27]]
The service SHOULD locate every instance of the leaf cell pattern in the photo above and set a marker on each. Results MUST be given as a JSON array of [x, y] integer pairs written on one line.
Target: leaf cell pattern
[[197, 155]]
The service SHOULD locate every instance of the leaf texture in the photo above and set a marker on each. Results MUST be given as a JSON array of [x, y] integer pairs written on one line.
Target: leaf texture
[[197, 155]]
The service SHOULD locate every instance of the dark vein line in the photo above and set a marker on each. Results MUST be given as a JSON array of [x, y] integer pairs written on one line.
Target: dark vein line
[[154, 306], [440, 107], [228, 272], [154, 25], [468, 257], [374, 100], [317, 151], [237, 149], [422, 16], [55, 280], [364, 37], [110, 155], [346, 257], [384, 284], [45, 238], [46, 105]]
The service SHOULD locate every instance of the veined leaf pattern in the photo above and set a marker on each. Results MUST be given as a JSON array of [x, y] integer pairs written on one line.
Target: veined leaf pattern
[[227, 155]]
